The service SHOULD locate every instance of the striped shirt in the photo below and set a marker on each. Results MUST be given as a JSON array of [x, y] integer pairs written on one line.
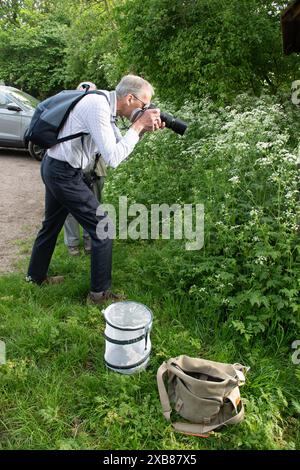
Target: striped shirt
[[97, 117]]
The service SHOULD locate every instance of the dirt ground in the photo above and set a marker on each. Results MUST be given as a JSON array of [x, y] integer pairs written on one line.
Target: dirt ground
[[21, 204]]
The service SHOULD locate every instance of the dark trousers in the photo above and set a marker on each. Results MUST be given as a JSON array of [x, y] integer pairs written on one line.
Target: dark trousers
[[66, 193]]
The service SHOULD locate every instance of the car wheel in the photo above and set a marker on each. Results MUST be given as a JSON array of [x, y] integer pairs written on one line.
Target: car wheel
[[36, 151]]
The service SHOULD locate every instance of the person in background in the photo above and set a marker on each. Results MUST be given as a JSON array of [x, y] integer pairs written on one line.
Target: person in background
[[94, 175]]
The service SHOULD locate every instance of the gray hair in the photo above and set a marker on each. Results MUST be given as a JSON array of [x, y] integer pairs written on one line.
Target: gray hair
[[132, 84], [82, 86]]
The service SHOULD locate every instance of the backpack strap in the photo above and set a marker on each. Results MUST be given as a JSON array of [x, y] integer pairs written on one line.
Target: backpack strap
[[69, 137], [199, 430], [79, 134]]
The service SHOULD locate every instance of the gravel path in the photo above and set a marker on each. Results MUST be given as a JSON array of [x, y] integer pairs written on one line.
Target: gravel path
[[21, 204]]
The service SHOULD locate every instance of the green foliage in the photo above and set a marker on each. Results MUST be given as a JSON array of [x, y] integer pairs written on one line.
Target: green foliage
[[240, 162], [236, 299], [195, 48], [90, 38], [32, 50], [57, 394], [212, 48]]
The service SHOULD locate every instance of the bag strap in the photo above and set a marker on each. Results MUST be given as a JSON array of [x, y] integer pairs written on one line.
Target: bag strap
[[200, 429], [175, 368], [97, 158], [240, 372], [79, 134], [70, 137], [193, 429], [188, 428], [163, 395]]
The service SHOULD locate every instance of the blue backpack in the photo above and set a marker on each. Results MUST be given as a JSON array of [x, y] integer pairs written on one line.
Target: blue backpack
[[50, 116]]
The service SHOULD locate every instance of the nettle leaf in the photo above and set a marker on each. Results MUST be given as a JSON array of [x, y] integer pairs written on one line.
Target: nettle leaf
[[290, 293], [255, 298], [239, 326]]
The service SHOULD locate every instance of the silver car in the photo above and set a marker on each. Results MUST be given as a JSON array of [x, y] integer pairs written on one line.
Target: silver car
[[16, 110]]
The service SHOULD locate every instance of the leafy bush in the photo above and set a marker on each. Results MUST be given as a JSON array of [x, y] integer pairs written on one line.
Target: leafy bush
[[240, 162], [186, 49], [199, 47]]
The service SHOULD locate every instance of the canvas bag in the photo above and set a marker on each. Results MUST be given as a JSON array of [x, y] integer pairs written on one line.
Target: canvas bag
[[206, 393]]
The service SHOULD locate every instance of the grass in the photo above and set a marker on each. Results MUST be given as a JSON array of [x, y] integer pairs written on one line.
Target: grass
[[56, 392]]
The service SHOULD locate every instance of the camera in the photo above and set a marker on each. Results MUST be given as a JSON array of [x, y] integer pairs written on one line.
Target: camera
[[171, 122], [176, 124]]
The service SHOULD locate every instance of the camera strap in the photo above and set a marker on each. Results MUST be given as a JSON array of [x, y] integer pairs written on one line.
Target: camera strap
[[97, 158]]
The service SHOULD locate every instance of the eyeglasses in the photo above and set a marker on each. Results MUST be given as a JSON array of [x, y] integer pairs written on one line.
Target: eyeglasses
[[145, 106]]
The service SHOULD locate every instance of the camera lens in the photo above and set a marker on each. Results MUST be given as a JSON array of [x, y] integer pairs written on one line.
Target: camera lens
[[177, 125]]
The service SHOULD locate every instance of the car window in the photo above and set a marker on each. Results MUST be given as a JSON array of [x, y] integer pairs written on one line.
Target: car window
[[25, 100], [3, 101]]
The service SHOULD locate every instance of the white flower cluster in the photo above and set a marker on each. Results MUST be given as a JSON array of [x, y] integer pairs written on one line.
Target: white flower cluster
[[264, 145], [291, 194], [255, 213], [261, 260], [234, 180], [241, 146]]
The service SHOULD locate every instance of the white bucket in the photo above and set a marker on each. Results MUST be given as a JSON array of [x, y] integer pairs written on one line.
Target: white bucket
[[127, 336]]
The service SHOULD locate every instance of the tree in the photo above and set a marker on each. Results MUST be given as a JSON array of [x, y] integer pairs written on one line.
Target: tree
[[91, 40], [194, 47], [32, 45]]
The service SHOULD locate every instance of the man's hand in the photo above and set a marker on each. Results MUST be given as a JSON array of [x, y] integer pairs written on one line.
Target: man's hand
[[148, 122]]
